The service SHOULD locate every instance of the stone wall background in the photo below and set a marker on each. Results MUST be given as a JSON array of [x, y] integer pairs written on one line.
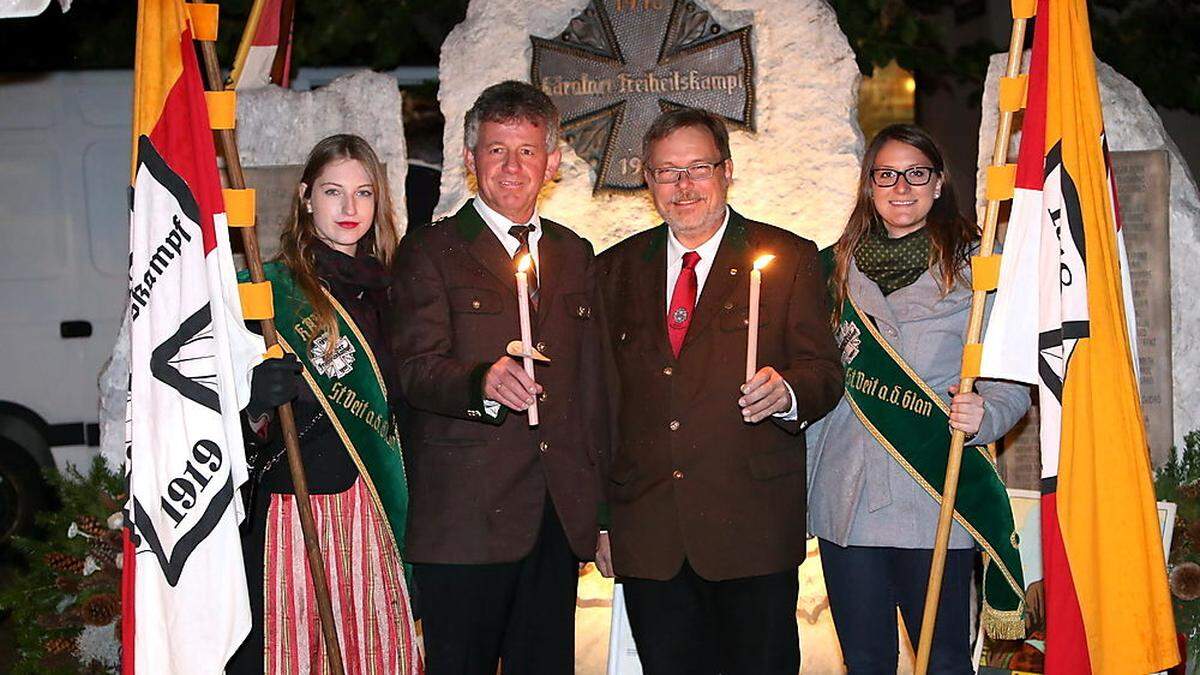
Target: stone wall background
[[797, 171], [278, 127]]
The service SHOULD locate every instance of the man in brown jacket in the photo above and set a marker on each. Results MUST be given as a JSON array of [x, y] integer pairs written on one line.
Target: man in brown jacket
[[707, 485], [500, 512]]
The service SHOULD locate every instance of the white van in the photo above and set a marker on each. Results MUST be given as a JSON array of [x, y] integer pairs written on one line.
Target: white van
[[64, 256]]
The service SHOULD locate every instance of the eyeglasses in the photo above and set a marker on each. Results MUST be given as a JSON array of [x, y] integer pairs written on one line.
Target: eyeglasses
[[913, 175], [666, 175]]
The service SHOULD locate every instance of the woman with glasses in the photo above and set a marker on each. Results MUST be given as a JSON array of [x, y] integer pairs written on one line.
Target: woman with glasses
[[900, 281]]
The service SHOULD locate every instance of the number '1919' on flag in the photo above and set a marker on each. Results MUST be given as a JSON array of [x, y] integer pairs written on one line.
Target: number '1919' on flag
[[185, 606]]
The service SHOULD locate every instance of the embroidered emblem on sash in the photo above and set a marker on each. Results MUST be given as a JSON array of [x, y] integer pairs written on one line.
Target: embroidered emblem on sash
[[336, 365], [849, 338]]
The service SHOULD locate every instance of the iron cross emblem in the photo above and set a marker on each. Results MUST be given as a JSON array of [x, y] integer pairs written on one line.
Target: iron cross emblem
[[617, 65]]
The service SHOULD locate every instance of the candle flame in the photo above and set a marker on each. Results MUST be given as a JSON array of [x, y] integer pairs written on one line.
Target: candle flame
[[763, 261], [524, 263]]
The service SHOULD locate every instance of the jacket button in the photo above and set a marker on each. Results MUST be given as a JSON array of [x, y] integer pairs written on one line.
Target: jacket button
[[668, 370], [540, 346], [542, 397], [733, 271], [677, 474], [544, 446], [674, 425], [475, 304], [729, 305]]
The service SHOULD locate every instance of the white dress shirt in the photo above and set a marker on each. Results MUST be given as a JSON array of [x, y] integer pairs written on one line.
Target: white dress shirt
[[499, 225], [708, 253]]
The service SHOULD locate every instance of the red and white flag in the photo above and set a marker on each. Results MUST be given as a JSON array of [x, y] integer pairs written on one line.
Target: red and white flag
[[185, 606], [265, 53]]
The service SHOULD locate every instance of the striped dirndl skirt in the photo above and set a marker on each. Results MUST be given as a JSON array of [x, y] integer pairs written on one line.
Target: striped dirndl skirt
[[366, 584]]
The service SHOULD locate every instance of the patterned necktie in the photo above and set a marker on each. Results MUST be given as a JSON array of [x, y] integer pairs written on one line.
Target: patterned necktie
[[683, 301], [522, 232]]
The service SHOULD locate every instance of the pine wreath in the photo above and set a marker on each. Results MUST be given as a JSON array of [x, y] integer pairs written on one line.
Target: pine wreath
[[50, 599]]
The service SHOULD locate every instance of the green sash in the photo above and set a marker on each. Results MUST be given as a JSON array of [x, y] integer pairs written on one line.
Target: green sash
[[912, 422], [351, 389]]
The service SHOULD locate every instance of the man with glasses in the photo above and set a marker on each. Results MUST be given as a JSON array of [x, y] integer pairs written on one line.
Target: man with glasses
[[707, 485]]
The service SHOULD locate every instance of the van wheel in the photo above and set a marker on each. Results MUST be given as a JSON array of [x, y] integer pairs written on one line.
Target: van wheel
[[23, 491]]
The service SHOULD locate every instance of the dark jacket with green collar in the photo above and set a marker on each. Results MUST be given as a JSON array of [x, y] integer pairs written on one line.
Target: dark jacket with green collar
[[689, 479], [477, 484]]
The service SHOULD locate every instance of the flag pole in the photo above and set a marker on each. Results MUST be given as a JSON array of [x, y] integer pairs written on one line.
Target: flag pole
[[966, 381], [287, 421]]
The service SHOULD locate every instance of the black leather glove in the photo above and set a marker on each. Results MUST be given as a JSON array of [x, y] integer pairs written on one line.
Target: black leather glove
[[273, 383]]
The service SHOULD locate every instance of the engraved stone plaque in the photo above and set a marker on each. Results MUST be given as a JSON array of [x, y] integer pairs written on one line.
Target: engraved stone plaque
[[617, 65], [1143, 190]]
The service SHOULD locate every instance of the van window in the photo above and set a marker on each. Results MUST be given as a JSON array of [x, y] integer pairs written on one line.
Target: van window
[[33, 219], [106, 185]]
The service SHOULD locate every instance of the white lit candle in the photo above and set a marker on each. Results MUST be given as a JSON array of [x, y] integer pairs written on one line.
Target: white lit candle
[[752, 335], [526, 329]]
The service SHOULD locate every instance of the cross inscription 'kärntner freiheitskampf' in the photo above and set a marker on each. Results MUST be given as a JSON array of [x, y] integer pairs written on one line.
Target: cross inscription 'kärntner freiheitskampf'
[[621, 62]]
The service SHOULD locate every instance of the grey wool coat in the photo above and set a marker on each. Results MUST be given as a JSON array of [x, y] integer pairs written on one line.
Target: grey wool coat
[[857, 494]]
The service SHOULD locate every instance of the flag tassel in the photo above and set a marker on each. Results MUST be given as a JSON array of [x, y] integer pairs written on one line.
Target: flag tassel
[[287, 421], [966, 382]]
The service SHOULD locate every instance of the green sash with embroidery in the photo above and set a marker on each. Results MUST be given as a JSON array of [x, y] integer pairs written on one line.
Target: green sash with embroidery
[[350, 388], [913, 424]]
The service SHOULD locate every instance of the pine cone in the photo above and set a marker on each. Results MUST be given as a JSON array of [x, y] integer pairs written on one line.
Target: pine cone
[[64, 563], [60, 645], [91, 525], [67, 585], [103, 551], [100, 610]]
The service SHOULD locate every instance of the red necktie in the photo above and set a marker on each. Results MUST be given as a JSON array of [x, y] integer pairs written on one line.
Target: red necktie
[[683, 302]]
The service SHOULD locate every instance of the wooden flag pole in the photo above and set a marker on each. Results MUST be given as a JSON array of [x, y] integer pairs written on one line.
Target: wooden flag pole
[[287, 421], [966, 381]]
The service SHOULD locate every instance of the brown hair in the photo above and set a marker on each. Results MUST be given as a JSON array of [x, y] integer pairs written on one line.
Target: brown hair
[[677, 118], [950, 233], [300, 233]]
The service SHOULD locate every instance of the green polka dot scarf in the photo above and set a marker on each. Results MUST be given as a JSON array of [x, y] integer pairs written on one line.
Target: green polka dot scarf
[[893, 263]]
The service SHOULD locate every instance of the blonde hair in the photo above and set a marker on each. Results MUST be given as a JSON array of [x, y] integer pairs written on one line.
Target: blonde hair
[[300, 233]]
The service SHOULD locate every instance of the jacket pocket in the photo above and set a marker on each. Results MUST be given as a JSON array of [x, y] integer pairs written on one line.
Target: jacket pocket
[[468, 300], [768, 465]]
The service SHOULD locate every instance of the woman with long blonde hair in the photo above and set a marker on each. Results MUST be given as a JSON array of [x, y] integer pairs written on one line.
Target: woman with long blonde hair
[[901, 285], [330, 291]]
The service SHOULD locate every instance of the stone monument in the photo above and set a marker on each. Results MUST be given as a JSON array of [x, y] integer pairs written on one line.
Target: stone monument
[[1131, 124], [795, 157]]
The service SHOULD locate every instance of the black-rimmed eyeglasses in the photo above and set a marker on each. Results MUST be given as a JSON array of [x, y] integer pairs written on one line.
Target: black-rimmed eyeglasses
[[665, 175], [915, 176]]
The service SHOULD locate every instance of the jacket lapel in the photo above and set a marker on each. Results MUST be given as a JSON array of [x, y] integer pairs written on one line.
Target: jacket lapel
[[550, 254], [728, 271], [649, 291], [484, 246], [869, 298]]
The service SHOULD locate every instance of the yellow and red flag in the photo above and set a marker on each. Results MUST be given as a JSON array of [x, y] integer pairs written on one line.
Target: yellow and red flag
[[1060, 320], [185, 607]]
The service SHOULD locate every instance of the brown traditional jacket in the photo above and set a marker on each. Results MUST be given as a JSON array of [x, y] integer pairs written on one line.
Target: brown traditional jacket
[[477, 484], [690, 479]]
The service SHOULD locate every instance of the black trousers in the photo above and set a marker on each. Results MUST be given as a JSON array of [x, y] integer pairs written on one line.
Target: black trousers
[[521, 613], [688, 625], [867, 583]]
